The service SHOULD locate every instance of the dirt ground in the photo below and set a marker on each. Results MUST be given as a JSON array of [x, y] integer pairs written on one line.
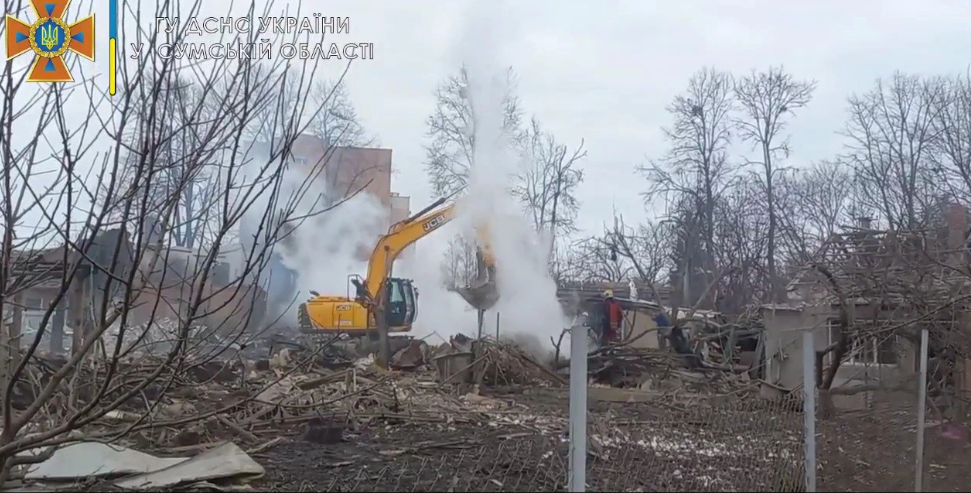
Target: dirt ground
[[633, 447], [876, 451], [462, 458]]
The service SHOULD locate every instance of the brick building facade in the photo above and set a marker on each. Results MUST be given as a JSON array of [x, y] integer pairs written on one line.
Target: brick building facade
[[347, 170]]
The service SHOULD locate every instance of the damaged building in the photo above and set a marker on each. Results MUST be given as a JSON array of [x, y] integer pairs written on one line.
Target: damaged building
[[341, 172], [73, 309], [892, 285]]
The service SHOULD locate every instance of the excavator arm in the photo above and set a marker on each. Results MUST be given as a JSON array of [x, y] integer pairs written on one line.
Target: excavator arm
[[403, 234], [391, 303]]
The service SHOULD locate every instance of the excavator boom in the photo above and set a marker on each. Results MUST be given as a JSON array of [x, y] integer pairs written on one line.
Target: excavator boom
[[401, 235], [379, 289]]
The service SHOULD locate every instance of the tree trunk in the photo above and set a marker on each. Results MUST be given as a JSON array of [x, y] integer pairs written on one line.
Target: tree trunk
[[826, 407], [57, 329], [775, 293]]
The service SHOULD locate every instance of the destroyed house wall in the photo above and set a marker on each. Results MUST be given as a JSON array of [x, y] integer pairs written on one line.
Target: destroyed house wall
[[784, 352], [105, 264], [228, 305], [916, 274], [871, 263]]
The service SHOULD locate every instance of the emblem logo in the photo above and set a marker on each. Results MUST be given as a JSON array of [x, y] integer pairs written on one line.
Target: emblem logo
[[50, 38]]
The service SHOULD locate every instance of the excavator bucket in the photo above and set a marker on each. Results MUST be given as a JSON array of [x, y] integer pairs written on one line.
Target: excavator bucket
[[482, 293]]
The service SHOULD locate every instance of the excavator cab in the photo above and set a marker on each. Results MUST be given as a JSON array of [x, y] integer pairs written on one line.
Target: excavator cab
[[400, 301], [401, 308]]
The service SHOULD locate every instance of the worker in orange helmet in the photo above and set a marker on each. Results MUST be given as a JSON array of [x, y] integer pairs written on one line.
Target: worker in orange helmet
[[613, 318]]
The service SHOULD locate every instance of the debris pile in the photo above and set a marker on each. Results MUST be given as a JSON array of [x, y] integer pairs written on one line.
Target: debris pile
[[290, 390], [506, 364], [662, 371], [257, 395]]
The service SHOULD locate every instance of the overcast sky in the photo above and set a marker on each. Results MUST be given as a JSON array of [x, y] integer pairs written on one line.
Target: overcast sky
[[604, 72]]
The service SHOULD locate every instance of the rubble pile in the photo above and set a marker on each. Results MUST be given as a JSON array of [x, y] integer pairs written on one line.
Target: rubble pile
[[663, 371], [505, 364], [254, 396], [156, 337], [500, 363], [491, 362], [253, 400]]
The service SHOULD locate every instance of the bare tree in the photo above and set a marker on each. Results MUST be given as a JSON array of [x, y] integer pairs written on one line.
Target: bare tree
[[888, 285], [460, 264], [696, 171], [644, 246], [891, 137], [742, 243], [767, 99], [451, 131], [814, 205], [549, 182], [187, 116], [596, 259], [337, 121], [55, 166], [952, 128]]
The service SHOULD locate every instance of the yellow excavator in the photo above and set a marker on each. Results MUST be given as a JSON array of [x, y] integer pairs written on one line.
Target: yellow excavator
[[389, 301]]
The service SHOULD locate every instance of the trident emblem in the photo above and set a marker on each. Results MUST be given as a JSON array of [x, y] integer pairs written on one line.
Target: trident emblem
[[50, 38], [49, 34]]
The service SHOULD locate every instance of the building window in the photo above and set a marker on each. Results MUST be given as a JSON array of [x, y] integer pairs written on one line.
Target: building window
[[868, 344], [34, 303], [300, 160]]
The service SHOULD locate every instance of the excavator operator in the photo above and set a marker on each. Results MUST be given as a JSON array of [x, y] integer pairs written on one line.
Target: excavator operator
[[613, 318]]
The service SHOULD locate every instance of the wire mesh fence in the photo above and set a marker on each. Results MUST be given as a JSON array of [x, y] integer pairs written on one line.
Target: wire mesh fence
[[712, 444], [702, 445], [867, 441], [946, 457], [864, 438], [522, 463]]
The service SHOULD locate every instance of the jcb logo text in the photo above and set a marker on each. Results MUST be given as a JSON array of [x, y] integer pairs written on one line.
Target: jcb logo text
[[434, 222]]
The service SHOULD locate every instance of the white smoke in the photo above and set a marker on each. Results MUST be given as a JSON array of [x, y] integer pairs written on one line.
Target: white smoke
[[440, 311], [326, 244], [328, 248], [526, 289], [528, 305]]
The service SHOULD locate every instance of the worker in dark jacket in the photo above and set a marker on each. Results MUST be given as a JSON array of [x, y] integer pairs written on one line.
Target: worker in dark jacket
[[678, 340], [613, 318]]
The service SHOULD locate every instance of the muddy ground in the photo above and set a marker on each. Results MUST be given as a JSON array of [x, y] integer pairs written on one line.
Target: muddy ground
[[633, 447], [875, 450]]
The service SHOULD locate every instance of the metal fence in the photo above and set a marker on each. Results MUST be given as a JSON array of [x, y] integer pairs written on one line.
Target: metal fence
[[870, 432], [751, 445], [727, 446], [533, 463], [856, 437], [887, 433], [705, 443]]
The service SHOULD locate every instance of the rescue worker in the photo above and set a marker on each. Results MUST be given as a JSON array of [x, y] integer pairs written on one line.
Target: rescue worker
[[678, 339], [613, 318]]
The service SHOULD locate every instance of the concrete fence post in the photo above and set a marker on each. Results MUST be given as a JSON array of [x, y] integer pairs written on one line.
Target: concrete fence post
[[809, 406], [578, 409], [921, 407]]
